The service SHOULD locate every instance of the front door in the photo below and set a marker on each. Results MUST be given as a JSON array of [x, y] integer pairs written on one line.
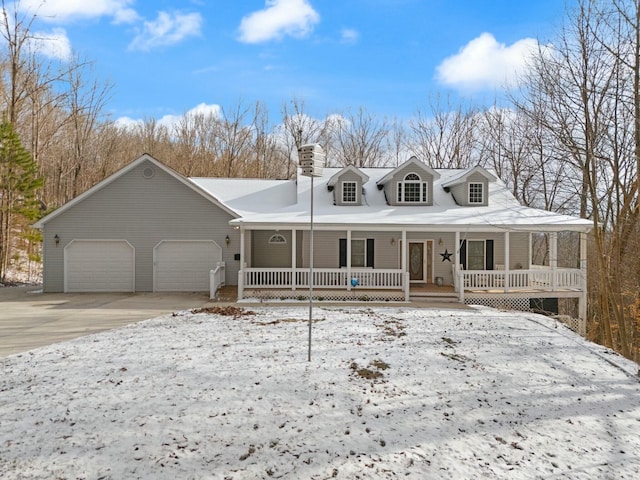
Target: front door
[[420, 261], [416, 261]]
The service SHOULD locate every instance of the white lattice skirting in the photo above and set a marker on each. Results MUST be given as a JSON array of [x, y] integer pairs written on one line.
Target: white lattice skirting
[[326, 295], [520, 304]]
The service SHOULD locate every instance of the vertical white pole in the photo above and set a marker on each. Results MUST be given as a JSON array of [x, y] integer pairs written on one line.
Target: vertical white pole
[[553, 259], [507, 260], [403, 262], [349, 260], [294, 249], [582, 301], [241, 272], [310, 271]]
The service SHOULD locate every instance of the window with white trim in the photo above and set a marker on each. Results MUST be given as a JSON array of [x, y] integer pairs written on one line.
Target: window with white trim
[[476, 254], [277, 239], [362, 252], [412, 189], [358, 252], [349, 192], [476, 192]]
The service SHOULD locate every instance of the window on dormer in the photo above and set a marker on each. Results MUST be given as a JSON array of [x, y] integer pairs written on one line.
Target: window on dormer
[[476, 192], [349, 192], [412, 189]]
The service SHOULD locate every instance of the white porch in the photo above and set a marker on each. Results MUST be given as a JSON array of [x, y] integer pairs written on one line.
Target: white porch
[[533, 281]]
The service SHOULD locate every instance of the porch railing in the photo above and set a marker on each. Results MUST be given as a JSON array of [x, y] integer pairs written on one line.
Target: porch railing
[[322, 278], [535, 278], [216, 279]]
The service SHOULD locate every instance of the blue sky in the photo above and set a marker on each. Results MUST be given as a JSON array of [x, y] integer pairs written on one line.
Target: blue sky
[[166, 57]]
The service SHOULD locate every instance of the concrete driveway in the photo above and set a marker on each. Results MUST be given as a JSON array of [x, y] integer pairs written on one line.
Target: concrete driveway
[[31, 319]]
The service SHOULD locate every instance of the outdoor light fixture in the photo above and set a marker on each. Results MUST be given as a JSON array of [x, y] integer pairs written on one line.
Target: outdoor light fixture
[[56, 239], [393, 241], [227, 240]]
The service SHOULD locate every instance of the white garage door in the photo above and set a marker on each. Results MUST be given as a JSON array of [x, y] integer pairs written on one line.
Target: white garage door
[[99, 266], [183, 265]]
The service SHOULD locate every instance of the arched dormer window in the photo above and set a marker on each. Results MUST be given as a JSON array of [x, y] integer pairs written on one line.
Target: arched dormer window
[[412, 189], [277, 239]]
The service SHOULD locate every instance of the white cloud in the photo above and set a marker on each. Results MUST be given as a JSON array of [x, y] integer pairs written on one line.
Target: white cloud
[[167, 30], [170, 121], [349, 35], [279, 18], [486, 63], [60, 11], [54, 44], [203, 109]]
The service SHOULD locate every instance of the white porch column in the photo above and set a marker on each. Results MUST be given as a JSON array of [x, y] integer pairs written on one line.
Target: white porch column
[[507, 259], [553, 259], [582, 301], [294, 248], [403, 262], [349, 260], [242, 265], [457, 274]]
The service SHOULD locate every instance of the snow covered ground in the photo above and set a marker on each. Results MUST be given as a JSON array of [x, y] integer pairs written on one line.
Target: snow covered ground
[[389, 393]]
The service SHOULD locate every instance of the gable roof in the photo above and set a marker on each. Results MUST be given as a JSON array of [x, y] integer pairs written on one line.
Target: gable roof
[[464, 175], [273, 204], [412, 161], [123, 171], [349, 168]]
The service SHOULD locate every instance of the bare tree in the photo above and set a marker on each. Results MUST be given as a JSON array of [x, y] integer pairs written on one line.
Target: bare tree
[[360, 139], [581, 87], [298, 128], [445, 137]]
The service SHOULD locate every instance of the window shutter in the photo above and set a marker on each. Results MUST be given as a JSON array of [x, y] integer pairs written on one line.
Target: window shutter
[[463, 254], [370, 252], [489, 254], [343, 252]]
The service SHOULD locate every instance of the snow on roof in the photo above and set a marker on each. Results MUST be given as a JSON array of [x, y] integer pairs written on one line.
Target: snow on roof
[[264, 203], [462, 176], [250, 195]]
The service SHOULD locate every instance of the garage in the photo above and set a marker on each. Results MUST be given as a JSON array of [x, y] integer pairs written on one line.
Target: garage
[[99, 266], [184, 265]]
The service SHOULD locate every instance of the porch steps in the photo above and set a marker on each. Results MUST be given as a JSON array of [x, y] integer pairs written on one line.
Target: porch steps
[[439, 297]]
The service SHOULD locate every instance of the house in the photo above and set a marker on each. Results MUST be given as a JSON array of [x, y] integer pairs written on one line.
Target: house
[[378, 233]]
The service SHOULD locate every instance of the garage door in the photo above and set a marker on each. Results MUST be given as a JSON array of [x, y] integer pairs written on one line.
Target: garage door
[[99, 266], [183, 265]]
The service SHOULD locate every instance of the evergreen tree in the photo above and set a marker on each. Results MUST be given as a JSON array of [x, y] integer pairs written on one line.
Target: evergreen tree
[[19, 183]]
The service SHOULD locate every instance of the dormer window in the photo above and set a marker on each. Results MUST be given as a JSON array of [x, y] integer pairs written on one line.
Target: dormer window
[[476, 193], [349, 192], [412, 189]]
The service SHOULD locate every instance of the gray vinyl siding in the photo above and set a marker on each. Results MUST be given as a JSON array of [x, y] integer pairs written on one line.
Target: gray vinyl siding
[[391, 186], [348, 176], [270, 255], [143, 212], [326, 248], [461, 192]]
